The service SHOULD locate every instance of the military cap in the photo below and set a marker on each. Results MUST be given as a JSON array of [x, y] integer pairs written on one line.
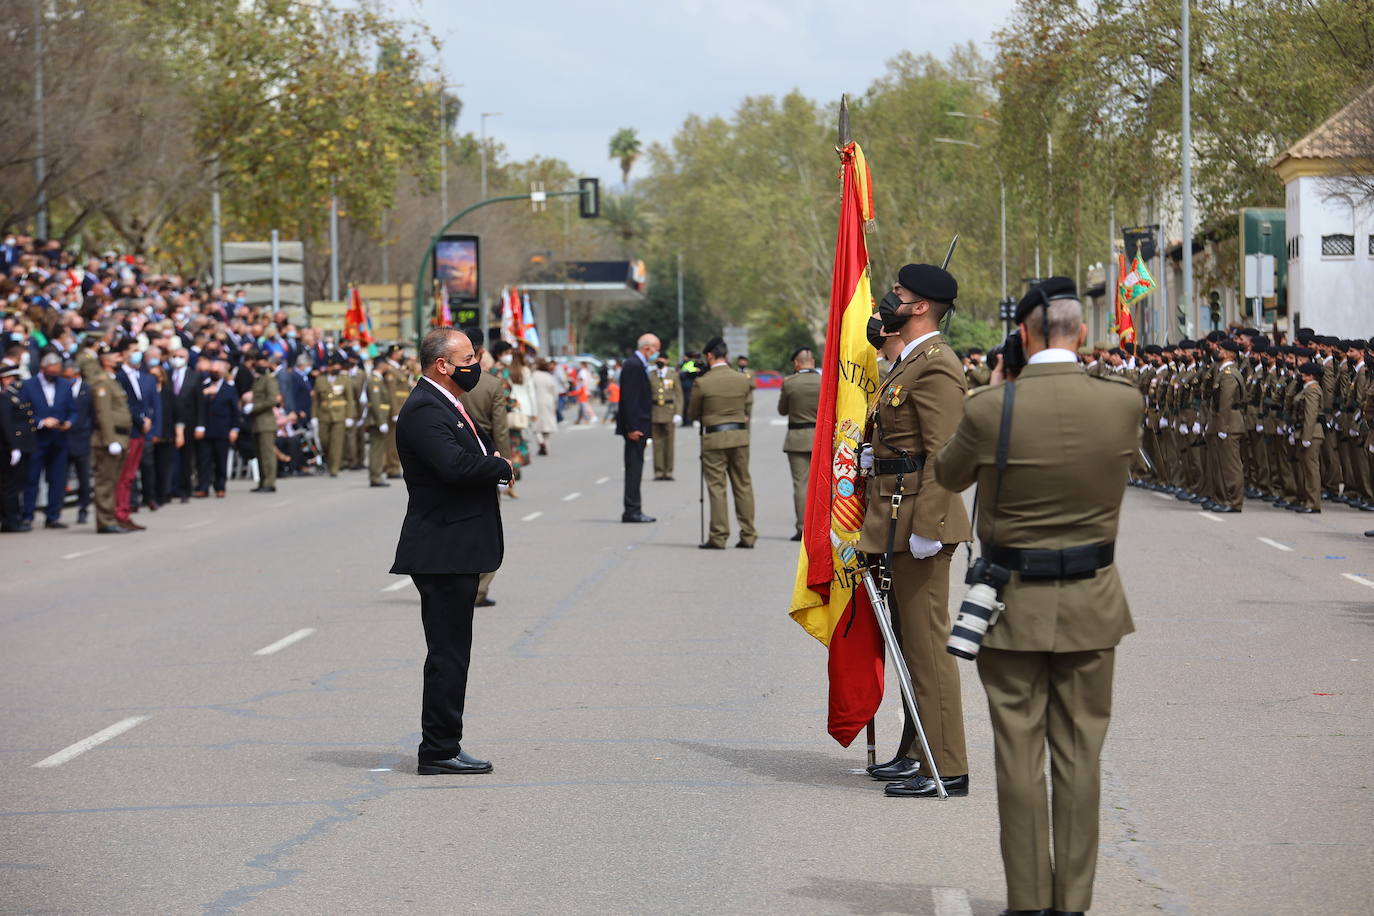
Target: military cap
[[716, 347], [1085, 351], [1046, 291], [1153, 350], [1249, 332], [1186, 344], [1304, 335], [105, 349], [8, 371], [805, 348], [1259, 348], [1229, 344], [1311, 369], [929, 282], [973, 350], [1215, 336], [1304, 352], [1128, 347]]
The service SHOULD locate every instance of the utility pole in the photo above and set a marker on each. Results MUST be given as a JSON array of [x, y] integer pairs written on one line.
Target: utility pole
[[681, 326], [482, 150], [1001, 187], [1187, 298], [216, 230], [333, 243], [40, 160]]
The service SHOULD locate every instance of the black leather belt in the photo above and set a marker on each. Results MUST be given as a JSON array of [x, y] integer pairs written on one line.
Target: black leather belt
[[725, 427], [121, 430], [791, 425], [908, 465], [1068, 563]]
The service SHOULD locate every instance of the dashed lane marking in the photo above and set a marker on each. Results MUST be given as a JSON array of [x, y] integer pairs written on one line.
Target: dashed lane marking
[[1275, 544], [397, 586], [84, 553], [1356, 577], [601, 480], [1209, 516], [281, 505], [531, 517], [199, 524], [285, 641], [571, 496], [85, 744], [951, 901]]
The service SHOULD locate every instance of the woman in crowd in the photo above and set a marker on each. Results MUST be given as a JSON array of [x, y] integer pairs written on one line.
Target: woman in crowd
[[545, 422]]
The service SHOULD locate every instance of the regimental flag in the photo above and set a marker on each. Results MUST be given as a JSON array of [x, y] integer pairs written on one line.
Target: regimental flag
[[828, 599], [357, 322], [531, 335], [1122, 325], [443, 315], [512, 316], [1135, 284]]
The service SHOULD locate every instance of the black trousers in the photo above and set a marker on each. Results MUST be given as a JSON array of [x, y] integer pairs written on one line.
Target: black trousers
[[186, 468], [158, 459], [214, 463], [82, 462], [13, 479], [446, 612], [634, 470]]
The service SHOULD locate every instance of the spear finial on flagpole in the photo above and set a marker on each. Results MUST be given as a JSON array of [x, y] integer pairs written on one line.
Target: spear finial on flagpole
[[845, 138]]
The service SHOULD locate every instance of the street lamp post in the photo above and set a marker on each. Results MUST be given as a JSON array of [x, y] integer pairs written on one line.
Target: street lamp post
[[482, 148], [1002, 194]]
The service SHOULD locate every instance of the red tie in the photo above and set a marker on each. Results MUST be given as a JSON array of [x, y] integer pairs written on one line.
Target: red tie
[[472, 425]]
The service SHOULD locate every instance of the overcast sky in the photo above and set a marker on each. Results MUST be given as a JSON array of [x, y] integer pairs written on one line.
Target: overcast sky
[[566, 75]]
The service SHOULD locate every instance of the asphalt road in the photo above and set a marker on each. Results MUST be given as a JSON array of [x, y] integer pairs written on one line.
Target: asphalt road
[[655, 719]]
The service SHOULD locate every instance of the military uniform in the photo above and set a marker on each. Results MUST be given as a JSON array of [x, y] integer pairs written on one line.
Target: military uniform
[[18, 437], [262, 420], [1226, 426], [665, 403], [798, 401], [111, 424], [1047, 664], [355, 438], [378, 423], [333, 404], [722, 400], [916, 410], [398, 380], [1309, 434], [977, 375], [489, 407]]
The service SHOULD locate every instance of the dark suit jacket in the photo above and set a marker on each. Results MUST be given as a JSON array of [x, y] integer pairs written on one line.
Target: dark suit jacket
[[79, 436], [62, 408], [137, 409], [186, 402], [152, 406], [635, 399], [453, 517], [295, 392], [220, 412]]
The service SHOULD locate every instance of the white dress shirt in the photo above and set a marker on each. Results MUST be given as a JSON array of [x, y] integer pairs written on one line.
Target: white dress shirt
[[1053, 355]]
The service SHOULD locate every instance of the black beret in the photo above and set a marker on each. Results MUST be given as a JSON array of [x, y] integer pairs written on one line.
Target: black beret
[[800, 350], [1304, 335], [1249, 332], [1216, 336], [1229, 344], [1152, 350], [1045, 291], [973, 350], [715, 347], [1128, 347], [1263, 339], [1259, 348], [929, 282], [1304, 352], [1311, 369], [1186, 344]]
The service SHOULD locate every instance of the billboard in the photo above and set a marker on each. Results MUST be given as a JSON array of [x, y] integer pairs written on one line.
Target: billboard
[[455, 267]]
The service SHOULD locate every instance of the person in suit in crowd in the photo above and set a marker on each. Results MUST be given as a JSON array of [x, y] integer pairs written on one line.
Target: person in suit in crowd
[[218, 428], [17, 441], [187, 391], [487, 404], [161, 454], [1049, 519], [798, 401], [50, 396], [79, 438], [155, 465], [450, 536], [294, 384], [634, 422]]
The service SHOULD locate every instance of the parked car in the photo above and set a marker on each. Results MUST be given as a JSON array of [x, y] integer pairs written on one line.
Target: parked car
[[767, 379]]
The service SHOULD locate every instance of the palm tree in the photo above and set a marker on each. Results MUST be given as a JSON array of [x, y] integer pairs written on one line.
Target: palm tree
[[625, 146], [623, 220]]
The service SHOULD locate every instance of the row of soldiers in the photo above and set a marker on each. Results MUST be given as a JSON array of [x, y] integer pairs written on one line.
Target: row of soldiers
[[1235, 417]]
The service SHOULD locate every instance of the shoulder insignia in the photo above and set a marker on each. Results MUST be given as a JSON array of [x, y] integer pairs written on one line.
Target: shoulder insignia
[[100, 392], [934, 350]]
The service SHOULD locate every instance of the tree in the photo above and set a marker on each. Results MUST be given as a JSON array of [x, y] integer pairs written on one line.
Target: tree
[[625, 147], [614, 332]]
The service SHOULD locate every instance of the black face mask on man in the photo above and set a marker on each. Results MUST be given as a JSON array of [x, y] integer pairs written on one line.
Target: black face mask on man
[[466, 377], [887, 311]]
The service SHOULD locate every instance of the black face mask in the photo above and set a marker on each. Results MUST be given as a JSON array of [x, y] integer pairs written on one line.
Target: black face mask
[[874, 332], [466, 377], [887, 313]]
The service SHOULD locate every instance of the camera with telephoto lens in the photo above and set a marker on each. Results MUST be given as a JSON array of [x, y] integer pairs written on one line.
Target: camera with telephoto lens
[[1013, 354], [980, 609]]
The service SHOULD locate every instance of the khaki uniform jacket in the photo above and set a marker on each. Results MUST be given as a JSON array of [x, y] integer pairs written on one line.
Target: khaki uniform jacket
[[378, 401], [334, 398], [1308, 424], [489, 407], [978, 376], [1073, 439], [722, 395], [916, 410], [399, 381], [798, 401], [1228, 402], [261, 418], [110, 409], [665, 395]]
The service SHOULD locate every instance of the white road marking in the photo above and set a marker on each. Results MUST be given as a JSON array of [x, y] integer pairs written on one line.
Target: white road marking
[[601, 480], [85, 744], [380, 770], [84, 553], [571, 496], [1276, 545], [1356, 577], [397, 586], [778, 422], [285, 641], [1209, 516], [200, 524], [531, 517], [282, 504], [951, 901]]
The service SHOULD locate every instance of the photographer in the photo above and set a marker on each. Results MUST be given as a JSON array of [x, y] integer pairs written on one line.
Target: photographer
[[1048, 518]]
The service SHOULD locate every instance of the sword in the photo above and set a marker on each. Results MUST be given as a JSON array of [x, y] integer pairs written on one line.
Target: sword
[[880, 611]]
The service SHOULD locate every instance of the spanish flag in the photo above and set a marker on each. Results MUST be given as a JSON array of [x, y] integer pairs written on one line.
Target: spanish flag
[[827, 599]]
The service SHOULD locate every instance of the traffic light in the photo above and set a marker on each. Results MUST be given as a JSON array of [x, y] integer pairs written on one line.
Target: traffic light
[[589, 203], [1214, 303]]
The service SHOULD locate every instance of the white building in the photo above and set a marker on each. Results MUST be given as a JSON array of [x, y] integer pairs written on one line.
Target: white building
[[1330, 232]]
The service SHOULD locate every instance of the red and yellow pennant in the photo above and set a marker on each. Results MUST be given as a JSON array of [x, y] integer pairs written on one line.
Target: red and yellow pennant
[[827, 599]]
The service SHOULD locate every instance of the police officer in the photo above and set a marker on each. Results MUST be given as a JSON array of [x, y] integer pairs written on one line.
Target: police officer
[[913, 523], [18, 437], [688, 372], [378, 421], [262, 418], [665, 413], [335, 411], [1051, 520], [109, 438], [798, 401], [722, 400]]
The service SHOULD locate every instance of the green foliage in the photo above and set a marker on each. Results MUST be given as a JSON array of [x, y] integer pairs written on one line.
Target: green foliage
[[614, 332], [771, 347], [625, 147], [966, 331]]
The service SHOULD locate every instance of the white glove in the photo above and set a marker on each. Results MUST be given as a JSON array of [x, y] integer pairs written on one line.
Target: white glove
[[15, 455], [865, 456], [677, 418], [1222, 435], [1197, 429], [1306, 444], [348, 424], [1259, 427], [314, 422], [200, 429], [116, 448], [1163, 422], [1291, 439], [383, 429], [922, 548]]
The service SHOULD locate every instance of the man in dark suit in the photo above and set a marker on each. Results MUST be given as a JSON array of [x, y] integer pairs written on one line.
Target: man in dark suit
[[79, 438], [218, 428], [450, 536], [51, 397], [185, 382], [634, 421]]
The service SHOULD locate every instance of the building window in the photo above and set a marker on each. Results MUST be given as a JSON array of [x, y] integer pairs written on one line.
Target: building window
[[1293, 248], [1371, 243], [1335, 246]]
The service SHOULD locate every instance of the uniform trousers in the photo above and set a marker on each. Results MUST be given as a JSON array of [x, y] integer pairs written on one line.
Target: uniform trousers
[[352, 457], [376, 455], [446, 613], [124, 488], [1287, 469], [1354, 467], [1230, 475], [13, 479], [800, 465], [1309, 483], [1259, 449], [82, 462], [393, 457], [662, 434], [920, 592], [1331, 466], [266, 444], [1065, 698], [332, 441], [718, 465], [107, 468], [484, 585], [49, 460]]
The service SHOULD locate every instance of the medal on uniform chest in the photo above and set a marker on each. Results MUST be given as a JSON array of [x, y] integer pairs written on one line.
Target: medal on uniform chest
[[896, 395]]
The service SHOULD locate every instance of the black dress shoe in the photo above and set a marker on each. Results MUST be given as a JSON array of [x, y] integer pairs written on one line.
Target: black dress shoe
[[1197, 498], [1066, 913], [636, 517], [896, 770], [112, 529], [379, 483], [924, 787], [82, 517], [1369, 534], [1280, 504], [709, 546], [54, 523], [669, 477], [1224, 509], [1025, 913], [484, 602], [1207, 505], [743, 546], [1306, 510], [394, 476], [462, 764], [796, 537], [24, 526]]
